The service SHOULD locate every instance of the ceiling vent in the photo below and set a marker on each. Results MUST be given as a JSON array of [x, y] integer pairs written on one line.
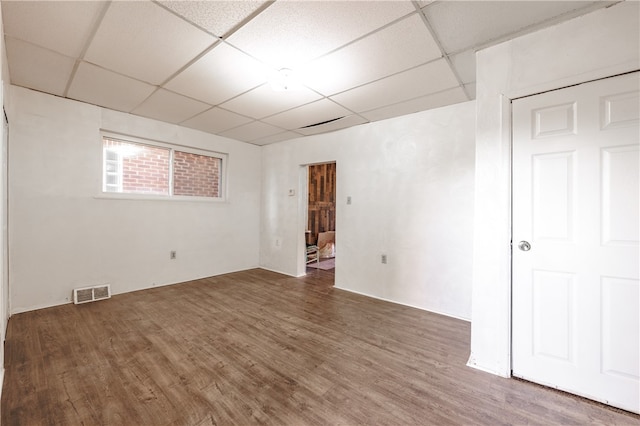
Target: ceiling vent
[[91, 294], [322, 122]]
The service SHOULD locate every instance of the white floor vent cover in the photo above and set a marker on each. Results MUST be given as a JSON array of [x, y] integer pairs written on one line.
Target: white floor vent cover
[[91, 294]]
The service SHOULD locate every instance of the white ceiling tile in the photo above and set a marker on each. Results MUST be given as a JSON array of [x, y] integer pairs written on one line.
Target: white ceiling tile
[[288, 34], [465, 65], [284, 136], [460, 25], [252, 131], [343, 123], [170, 107], [264, 101], [221, 74], [422, 80], [372, 59], [61, 26], [37, 68], [145, 41], [98, 86], [396, 48], [217, 17], [447, 97], [309, 114], [216, 120]]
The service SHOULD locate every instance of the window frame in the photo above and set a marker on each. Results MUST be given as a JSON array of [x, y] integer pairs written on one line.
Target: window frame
[[222, 185]]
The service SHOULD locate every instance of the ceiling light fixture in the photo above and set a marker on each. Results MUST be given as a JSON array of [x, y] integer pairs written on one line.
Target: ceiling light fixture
[[284, 80]]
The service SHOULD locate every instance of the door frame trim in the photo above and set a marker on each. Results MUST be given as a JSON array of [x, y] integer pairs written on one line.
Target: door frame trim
[[506, 70]]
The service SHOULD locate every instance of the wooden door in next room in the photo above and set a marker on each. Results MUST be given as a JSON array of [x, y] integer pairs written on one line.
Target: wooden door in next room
[[321, 211]]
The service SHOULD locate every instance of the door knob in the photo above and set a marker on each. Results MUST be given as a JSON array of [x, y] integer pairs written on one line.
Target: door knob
[[524, 246]]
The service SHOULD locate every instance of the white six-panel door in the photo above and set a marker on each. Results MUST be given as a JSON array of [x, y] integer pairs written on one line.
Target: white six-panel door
[[576, 197]]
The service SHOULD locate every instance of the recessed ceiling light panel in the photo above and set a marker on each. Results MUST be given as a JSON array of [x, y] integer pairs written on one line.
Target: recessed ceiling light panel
[[284, 80]]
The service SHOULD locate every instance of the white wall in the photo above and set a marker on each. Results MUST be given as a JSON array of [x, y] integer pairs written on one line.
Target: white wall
[[600, 44], [4, 285], [63, 237], [411, 183]]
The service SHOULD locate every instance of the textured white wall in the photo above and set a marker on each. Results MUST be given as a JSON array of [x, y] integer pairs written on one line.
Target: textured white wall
[[4, 284], [597, 45], [62, 236], [411, 183]]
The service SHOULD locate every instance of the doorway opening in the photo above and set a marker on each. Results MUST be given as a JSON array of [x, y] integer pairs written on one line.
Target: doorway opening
[[320, 230]]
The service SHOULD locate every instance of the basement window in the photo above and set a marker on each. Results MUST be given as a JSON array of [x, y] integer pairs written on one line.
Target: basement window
[[143, 169]]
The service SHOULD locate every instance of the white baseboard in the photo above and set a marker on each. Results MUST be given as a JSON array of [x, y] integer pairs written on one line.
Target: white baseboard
[[472, 363], [279, 272], [23, 309], [404, 304]]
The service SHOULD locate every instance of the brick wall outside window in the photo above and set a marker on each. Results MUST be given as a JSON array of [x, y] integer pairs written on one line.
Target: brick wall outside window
[[196, 175], [145, 169]]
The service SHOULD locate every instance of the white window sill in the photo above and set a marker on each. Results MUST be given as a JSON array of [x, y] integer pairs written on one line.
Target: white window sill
[[151, 197]]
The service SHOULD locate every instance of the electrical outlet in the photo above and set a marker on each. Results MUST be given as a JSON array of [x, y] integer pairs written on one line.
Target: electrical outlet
[[383, 259], [349, 199], [172, 254]]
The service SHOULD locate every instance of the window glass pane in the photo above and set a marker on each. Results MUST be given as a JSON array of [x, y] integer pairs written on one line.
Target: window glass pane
[[111, 166], [140, 169], [196, 175], [111, 155], [111, 179]]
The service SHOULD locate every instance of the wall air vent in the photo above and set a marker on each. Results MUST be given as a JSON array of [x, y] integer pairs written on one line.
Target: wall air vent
[[322, 122], [91, 294]]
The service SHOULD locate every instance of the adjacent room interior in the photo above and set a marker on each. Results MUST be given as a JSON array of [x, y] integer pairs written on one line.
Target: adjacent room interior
[[300, 212], [320, 235]]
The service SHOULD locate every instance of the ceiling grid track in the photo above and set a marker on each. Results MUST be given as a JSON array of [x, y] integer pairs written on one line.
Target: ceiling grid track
[[446, 57], [206, 65], [80, 57]]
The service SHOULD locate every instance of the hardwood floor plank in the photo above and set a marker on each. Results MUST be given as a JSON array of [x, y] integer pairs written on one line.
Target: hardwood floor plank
[[257, 347]]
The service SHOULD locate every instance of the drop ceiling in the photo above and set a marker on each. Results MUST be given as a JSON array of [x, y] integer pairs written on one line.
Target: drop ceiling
[[207, 65]]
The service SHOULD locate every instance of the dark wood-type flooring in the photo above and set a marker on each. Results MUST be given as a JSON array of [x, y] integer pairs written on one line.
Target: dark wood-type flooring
[[256, 347]]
